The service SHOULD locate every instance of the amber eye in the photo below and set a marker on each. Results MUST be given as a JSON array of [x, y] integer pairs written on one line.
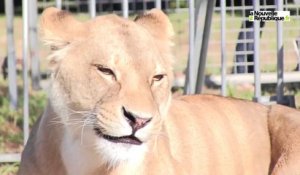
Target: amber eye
[[105, 70], [158, 77]]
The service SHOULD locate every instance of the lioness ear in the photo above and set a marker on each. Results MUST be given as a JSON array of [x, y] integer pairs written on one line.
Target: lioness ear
[[59, 28], [157, 23], [160, 27]]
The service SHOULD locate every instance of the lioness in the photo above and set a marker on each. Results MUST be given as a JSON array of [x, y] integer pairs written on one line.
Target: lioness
[[111, 112]]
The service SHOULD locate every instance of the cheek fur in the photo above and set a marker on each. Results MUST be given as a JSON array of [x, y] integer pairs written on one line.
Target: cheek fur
[[161, 96]]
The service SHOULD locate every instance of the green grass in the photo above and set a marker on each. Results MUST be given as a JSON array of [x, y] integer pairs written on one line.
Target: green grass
[[245, 94], [11, 135], [11, 121], [9, 168]]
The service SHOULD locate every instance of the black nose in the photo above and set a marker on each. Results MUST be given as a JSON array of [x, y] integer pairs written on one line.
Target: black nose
[[134, 120]]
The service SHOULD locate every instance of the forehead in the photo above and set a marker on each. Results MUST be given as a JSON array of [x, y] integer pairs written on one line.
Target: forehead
[[118, 40]]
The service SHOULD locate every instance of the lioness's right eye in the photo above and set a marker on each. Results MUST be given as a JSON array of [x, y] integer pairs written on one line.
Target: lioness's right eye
[[105, 70], [158, 77]]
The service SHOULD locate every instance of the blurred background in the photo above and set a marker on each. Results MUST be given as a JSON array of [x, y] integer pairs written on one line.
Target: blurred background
[[221, 31]]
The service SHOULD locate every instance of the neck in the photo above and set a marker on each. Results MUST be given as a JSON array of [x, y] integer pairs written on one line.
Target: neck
[[47, 140]]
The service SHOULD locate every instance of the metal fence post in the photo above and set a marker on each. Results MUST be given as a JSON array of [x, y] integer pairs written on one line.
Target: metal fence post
[[58, 4], [144, 5], [191, 72], [11, 56], [177, 4], [25, 71], [125, 8], [92, 8], [256, 54], [204, 45], [158, 4], [166, 5], [199, 12], [33, 39], [223, 47], [280, 68]]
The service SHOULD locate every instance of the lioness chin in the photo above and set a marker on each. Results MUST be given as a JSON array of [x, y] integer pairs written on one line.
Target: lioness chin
[[110, 110]]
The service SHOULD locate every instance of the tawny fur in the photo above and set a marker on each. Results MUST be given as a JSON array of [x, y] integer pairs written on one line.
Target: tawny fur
[[189, 135]]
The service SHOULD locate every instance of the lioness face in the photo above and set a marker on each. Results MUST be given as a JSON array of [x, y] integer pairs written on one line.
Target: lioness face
[[112, 79]]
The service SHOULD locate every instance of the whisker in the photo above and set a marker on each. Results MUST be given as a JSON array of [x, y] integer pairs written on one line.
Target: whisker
[[82, 130]]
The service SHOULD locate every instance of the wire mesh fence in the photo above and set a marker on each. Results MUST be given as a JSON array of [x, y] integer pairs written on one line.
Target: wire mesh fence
[[240, 41]]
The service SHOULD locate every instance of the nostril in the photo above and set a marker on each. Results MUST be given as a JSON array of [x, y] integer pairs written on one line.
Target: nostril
[[128, 115], [142, 121], [135, 121]]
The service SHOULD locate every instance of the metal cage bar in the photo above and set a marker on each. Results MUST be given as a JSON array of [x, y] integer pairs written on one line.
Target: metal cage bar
[[11, 57], [25, 72], [92, 8], [191, 74], [125, 8], [257, 90], [280, 68], [223, 48]]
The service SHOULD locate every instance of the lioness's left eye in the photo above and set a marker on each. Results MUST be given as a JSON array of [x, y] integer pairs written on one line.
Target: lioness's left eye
[[158, 77]]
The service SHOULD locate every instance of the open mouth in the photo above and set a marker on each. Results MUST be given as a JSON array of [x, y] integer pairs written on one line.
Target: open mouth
[[131, 139]]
